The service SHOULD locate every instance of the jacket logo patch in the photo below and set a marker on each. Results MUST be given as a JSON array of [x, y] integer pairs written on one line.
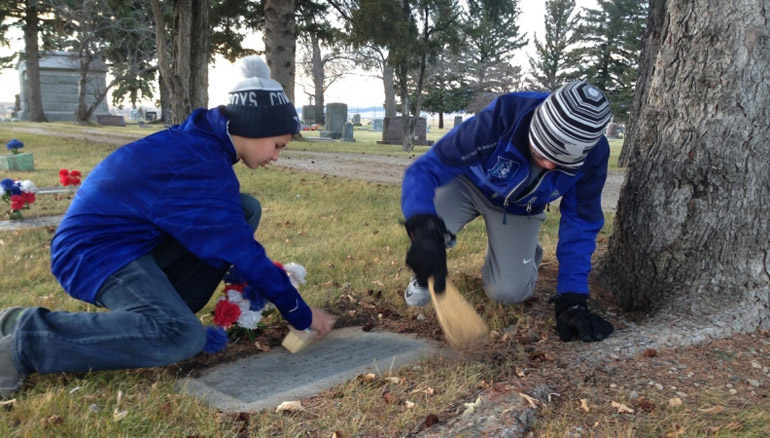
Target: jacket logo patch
[[555, 194], [502, 169]]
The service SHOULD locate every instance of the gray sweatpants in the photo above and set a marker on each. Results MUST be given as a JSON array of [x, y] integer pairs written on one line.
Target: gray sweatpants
[[513, 253]]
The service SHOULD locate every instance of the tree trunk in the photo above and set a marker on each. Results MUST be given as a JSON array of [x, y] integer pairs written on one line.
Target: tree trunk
[[650, 46], [389, 88], [32, 58], [317, 68], [440, 120], [280, 42], [200, 46], [690, 233], [184, 66]]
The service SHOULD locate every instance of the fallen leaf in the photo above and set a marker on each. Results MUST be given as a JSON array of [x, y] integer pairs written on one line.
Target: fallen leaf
[[734, 426], [396, 380], [427, 390], [650, 353], [117, 413], [676, 401], [290, 406], [584, 404], [622, 409], [337, 434], [519, 372], [389, 397], [53, 419], [531, 400], [470, 407], [430, 420], [408, 404], [713, 410], [262, 347], [676, 433], [369, 377]]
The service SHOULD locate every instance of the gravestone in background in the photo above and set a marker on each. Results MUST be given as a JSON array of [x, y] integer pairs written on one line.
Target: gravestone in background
[[458, 120], [336, 116], [393, 131], [377, 125], [110, 120], [347, 132], [59, 85], [356, 120], [308, 114]]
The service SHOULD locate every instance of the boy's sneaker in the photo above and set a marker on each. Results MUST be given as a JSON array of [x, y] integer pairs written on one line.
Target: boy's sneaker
[[416, 295], [10, 377]]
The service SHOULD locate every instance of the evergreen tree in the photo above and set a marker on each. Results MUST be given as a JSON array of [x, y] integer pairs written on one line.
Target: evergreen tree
[[553, 62], [611, 38], [492, 36]]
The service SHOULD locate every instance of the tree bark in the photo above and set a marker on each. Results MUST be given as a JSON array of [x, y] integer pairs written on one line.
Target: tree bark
[[32, 59], [389, 88], [184, 66], [200, 48], [280, 42], [690, 233], [317, 67], [650, 45]]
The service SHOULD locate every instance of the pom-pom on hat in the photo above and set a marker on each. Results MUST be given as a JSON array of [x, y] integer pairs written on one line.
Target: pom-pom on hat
[[569, 123], [258, 105]]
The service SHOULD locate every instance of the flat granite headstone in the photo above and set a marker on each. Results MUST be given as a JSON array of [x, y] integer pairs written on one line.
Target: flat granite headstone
[[266, 380]]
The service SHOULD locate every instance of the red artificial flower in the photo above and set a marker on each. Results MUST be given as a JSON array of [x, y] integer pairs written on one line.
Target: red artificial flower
[[235, 286], [29, 197], [68, 178], [17, 202], [226, 313]]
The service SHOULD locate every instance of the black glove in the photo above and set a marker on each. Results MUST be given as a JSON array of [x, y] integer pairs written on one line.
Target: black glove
[[575, 321], [427, 255]]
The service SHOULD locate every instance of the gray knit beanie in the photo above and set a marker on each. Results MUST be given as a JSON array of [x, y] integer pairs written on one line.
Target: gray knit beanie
[[258, 105], [569, 123]]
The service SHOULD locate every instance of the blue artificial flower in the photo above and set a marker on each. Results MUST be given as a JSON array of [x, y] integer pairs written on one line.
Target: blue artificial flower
[[257, 301], [216, 340], [14, 145], [7, 184], [233, 276]]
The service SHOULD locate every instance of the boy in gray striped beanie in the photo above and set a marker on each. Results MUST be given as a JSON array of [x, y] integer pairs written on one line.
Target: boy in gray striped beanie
[[506, 164]]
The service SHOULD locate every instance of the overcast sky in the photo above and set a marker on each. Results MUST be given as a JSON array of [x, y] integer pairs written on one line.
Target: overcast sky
[[355, 90]]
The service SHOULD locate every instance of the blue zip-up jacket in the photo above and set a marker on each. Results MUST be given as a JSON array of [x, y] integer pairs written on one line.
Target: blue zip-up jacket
[[492, 150], [178, 182]]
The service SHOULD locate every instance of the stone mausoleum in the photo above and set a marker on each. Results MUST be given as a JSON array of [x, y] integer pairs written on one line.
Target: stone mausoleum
[[59, 84]]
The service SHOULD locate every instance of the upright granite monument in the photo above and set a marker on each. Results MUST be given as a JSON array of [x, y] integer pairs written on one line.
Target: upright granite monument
[[59, 79], [393, 131], [336, 116]]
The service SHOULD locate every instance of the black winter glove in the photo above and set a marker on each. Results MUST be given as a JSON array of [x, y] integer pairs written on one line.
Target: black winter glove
[[575, 321], [427, 255]]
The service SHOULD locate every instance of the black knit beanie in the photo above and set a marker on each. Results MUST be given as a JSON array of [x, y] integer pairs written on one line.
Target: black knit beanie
[[258, 105], [569, 123]]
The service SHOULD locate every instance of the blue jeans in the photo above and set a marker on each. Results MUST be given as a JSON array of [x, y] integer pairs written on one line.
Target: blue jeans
[[151, 322]]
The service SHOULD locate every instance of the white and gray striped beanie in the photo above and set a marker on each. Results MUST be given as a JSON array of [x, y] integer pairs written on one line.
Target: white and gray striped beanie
[[569, 123]]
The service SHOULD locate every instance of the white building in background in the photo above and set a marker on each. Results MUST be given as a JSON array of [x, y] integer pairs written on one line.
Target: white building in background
[[59, 86]]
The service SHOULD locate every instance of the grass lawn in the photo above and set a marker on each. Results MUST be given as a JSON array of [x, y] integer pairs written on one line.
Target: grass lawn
[[348, 236]]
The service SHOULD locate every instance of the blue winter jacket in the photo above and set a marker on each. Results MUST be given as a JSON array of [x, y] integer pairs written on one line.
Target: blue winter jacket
[[492, 150], [178, 182]]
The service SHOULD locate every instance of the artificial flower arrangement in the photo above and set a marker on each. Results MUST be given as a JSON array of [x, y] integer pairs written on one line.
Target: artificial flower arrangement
[[14, 146], [69, 177], [240, 309], [19, 194]]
